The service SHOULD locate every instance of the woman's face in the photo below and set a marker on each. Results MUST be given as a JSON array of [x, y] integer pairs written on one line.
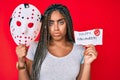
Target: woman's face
[[57, 26]]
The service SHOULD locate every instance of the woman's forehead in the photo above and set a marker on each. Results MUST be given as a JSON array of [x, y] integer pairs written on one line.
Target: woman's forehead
[[56, 15]]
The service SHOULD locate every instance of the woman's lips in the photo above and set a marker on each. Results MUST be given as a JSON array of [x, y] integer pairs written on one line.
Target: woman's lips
[[56, 34]]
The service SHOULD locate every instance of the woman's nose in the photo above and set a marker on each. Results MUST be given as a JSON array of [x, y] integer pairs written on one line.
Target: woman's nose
[[56, 26]]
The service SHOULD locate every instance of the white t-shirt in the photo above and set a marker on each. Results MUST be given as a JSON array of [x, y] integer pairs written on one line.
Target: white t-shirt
[[60, 68]]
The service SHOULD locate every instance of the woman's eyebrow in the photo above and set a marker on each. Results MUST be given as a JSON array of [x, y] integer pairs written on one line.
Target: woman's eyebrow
[[61, 19], [57, 20], [50, 20]]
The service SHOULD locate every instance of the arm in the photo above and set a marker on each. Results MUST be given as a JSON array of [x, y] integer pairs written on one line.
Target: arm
[[84, 72], [24, 73], [90, 55]]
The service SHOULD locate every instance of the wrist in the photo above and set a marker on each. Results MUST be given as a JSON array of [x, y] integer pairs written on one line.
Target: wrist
[[21, 59], [21, 66], [86, 64]]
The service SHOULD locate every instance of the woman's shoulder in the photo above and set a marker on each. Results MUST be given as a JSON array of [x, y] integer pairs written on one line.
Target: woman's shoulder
[[35, 43], [78, 47], [33, 46], [31, 50]]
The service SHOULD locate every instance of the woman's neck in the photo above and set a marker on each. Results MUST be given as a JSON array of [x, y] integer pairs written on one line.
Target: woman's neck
[[59, 43]]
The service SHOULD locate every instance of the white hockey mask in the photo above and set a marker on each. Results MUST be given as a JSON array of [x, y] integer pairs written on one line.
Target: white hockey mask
[[25, 24]]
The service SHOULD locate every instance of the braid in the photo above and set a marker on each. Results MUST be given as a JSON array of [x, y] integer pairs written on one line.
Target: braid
[[40, 53], [41, 50]]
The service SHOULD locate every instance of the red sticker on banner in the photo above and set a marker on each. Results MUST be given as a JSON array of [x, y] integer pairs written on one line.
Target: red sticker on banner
[[97, 32]]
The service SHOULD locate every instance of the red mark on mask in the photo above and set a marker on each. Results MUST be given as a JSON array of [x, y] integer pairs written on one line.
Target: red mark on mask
[[30, 25], [18, 23]]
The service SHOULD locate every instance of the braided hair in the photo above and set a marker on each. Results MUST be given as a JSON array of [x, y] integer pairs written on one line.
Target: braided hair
[[41, 50]]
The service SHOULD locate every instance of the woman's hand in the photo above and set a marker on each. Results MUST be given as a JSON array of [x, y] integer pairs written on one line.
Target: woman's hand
[[90, 54], [21, 51]]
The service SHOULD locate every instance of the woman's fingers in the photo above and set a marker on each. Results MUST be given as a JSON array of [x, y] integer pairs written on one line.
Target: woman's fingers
[[21, 51], [90, 50]]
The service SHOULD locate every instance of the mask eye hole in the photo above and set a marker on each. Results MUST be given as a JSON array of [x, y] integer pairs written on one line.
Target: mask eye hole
[[30, 25], [18, 23]]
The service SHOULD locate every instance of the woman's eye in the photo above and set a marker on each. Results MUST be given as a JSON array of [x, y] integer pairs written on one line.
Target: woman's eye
[[61, 22], [50, 23]]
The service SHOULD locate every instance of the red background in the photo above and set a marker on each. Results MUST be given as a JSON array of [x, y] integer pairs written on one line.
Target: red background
[[86, 14]]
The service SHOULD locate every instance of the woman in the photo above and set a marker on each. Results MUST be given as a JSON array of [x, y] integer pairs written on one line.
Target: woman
[[55, 56]]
